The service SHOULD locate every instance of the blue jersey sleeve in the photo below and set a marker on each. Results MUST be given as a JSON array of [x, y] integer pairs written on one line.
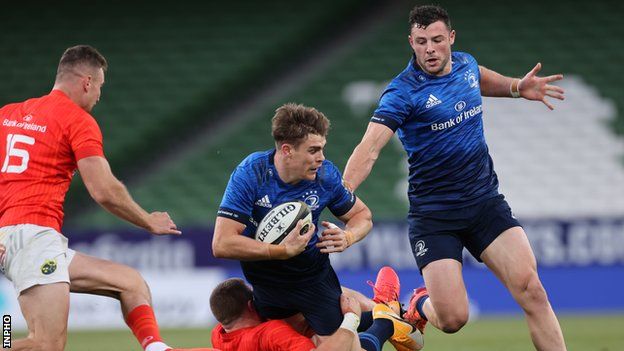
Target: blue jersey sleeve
[[237, 202], [394, 108], [342, 200], [476, 64]]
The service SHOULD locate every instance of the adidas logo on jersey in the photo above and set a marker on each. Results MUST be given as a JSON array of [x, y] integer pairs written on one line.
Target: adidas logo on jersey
[[264, 202], [432, 101]]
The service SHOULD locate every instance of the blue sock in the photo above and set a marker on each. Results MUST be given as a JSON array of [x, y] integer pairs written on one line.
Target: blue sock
[[369, 342], [377, 334], [419, 305], [366, 320]]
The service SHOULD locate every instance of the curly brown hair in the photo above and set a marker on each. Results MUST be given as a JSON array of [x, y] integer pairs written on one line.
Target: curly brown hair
[[292, 123], [424, 15]]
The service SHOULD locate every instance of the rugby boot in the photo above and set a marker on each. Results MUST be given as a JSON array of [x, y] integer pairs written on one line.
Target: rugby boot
[[387, 287], [405, 336], [412, 315]]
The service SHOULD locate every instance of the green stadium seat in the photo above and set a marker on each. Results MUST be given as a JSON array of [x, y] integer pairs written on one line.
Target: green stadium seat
[[498, 37]]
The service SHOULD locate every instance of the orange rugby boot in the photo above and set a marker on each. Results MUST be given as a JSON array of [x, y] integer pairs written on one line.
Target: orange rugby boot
[[387, 287], [412, 315], [405, 336]]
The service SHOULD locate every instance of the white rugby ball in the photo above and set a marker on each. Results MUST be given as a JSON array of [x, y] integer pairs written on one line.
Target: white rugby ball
[[281, 220]]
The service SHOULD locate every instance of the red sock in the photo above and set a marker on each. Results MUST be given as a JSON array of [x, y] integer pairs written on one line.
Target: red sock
[[142, 322]]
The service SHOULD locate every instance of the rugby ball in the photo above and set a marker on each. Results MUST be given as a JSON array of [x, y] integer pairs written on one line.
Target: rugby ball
[[281, 220]]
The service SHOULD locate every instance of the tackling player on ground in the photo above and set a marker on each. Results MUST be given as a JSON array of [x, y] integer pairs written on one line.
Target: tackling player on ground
[[240, 327], [434, 106], [42, 143]]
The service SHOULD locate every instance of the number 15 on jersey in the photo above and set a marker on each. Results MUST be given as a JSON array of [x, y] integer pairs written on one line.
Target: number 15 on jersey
[[13, 151]]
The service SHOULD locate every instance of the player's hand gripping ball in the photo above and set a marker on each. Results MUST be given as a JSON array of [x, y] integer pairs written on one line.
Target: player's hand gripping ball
[[281, 220]]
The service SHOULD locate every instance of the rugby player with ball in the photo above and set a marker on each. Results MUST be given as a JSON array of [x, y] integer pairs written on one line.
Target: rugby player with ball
[[263, 212]]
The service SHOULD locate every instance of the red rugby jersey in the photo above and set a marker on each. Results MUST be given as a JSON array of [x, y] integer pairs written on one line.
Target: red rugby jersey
[[41, 141], [275, 335]]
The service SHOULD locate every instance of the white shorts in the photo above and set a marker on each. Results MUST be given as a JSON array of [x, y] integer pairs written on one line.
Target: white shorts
[[35, 255]]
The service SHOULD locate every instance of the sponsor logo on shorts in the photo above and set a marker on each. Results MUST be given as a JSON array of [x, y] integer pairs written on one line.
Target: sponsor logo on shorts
[[48, 267], [420, 248]]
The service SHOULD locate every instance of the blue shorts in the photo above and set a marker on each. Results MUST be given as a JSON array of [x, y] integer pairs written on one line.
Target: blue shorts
[[319, 303], [437, 235]]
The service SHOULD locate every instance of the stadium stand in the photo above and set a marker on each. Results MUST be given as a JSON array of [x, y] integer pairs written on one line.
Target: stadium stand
[[173, 66], [193, 184]]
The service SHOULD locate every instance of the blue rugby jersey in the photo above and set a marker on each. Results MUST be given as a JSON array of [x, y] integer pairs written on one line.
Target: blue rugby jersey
[[439, 122], [255, 187]]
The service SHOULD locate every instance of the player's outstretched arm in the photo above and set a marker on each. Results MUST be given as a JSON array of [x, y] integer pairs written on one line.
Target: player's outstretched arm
[[358, 222], [530, 87], [365, 154], [111, 194], [228, 242]]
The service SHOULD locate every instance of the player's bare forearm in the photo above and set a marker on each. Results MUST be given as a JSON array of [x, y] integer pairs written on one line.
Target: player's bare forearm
[[494, 84], [365, 154], [117, 200], [360, 229], [239, 247], [358, 167], [109, 192], [359, 223], [342, 339], [531, 86], [228, 242]]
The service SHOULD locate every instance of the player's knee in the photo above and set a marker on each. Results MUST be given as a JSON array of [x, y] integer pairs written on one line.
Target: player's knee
[[530, 292], [536, 294], [454, 321], [137, 283], [129, 281], [452, 325]]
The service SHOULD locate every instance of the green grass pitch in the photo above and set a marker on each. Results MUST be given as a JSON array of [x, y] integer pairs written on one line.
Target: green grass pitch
[[599, 333]]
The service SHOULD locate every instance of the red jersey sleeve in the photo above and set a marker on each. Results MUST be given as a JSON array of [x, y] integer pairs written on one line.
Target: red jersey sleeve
[[280, 336], [85, 137]]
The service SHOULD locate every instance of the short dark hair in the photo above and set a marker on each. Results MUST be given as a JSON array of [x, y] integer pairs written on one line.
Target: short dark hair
[[80, 55], [229, 300], [293, 122], [424, 15]]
